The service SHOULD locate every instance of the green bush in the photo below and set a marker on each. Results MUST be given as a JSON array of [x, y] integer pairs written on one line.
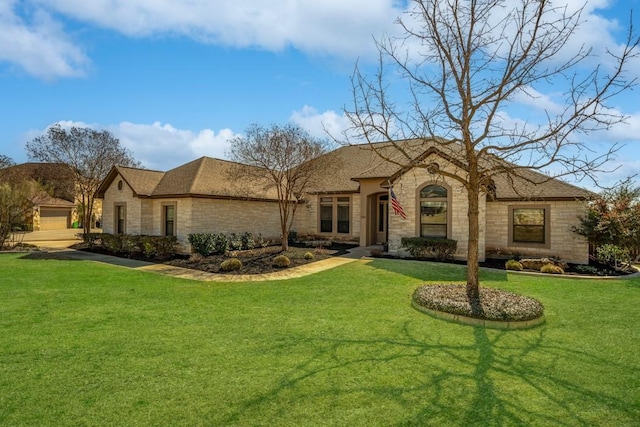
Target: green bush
[[424, 247], [235, 242], [202, 243], [207, 244], [220, 244], [248, 241], [292, 237], [551, 269], [308, 256], [281, 261], [231, 264], [613, 256], [134, 245], [113, 243], [262, 242], [514, 265], [92, 239]]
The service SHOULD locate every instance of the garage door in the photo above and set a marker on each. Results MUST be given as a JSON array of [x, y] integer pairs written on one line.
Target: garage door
[[54, 219]]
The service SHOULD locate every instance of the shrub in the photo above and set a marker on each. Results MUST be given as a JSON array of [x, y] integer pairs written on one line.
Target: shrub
[[538, 263], [613, 256], [235, 242], [248, 241], [281, 261], [261, 241], [92, 239], [308, 256], [293, 236], [514, 265], [134, 245], [231, 264], [424, 247], [220, 243], [202, 243], [113, 243], [551, 269]]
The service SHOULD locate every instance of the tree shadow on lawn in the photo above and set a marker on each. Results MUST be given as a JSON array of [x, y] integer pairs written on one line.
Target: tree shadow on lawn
[[498, 378], [434, 271]]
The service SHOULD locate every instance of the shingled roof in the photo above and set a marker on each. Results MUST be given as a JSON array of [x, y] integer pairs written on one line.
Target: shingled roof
[[358, 162], [203, 177], [342, 170]]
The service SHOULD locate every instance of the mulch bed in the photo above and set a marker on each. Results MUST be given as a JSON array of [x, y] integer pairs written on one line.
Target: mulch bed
[[254, 261]]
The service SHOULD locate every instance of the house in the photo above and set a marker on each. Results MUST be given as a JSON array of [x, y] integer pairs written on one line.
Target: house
[[52, 207], [350, 201]]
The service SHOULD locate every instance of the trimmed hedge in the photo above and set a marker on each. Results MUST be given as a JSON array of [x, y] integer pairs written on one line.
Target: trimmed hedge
[[133, 245], [425, 247]]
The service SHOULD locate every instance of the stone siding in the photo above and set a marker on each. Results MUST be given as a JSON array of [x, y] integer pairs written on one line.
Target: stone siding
[[407, 189], [564, 243], [133, 208]]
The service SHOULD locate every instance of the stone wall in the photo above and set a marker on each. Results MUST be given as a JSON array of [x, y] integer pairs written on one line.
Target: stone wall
[[564, 243], [407, 189]]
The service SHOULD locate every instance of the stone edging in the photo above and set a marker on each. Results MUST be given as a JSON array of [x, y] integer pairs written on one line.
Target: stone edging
[[472, 321]]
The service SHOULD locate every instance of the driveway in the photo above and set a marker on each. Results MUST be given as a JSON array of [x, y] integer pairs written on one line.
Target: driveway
[[53, 238]]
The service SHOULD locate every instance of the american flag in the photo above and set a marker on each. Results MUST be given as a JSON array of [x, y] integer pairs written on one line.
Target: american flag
[[395, 204]]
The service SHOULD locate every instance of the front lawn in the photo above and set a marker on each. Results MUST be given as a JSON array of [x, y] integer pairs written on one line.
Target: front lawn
[[91, 344]]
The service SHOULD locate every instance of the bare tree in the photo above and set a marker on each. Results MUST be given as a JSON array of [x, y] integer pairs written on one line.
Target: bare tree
[[6, 161], [281, 157], [463, 62], [89, 153]]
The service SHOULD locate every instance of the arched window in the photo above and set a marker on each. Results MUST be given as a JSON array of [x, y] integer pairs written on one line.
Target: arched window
[[433, 211]]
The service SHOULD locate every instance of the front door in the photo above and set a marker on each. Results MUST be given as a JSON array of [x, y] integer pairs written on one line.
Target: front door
[[382, 219]]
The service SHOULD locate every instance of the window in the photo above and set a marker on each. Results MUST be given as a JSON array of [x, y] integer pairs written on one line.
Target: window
[[120, 219], [433, 211], [335, 215], [169, 219], [326, 214], [529, 225]]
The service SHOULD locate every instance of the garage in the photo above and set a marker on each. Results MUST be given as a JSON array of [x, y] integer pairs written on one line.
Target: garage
[[55, 218]]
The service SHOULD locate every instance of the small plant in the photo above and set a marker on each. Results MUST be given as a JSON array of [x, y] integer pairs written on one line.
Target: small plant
[[293, 236], [281, 261], [514, 265], [262, 242], [308, 256], [231, 264], [195, 257], [551, 269], [589, 269]]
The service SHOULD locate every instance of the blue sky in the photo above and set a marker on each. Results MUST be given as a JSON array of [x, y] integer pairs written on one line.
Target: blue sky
[[175, 79]]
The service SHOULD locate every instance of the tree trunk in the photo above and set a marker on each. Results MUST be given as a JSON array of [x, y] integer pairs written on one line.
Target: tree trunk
[[473, 282]]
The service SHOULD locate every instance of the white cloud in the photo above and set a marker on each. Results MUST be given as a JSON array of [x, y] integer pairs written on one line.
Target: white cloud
[[327, 27], [328, 124], [40, 46], [161, 146]]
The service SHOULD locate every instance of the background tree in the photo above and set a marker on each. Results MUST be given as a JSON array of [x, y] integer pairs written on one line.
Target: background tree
[[6, 161], [89, 153], [282, 156], [16, 202], [462, 63], [613, 218]]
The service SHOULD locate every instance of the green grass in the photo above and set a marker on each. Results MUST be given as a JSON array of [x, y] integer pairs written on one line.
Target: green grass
[[91, 344]]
